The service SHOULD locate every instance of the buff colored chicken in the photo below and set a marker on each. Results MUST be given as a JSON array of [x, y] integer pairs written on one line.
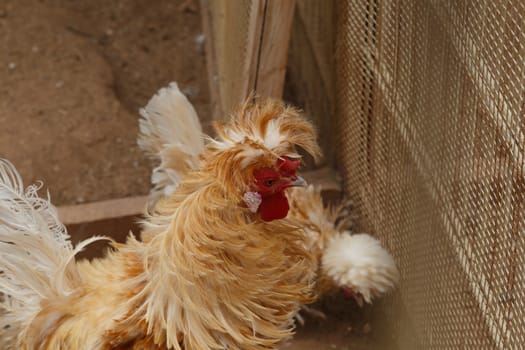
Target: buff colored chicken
[[217, 268], [357, 263]]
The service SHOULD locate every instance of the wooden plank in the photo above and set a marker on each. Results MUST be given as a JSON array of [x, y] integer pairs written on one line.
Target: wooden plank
[[310, 75], [211, 60], [253, 46], [103, 210], [326, 178], [117, 208], [269, 33], [262, 68]]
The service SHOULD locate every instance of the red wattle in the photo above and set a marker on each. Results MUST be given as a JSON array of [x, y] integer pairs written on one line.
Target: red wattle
[[274, 207]]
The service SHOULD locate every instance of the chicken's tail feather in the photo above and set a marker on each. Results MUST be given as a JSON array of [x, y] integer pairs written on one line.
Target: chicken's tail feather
[[37, 257], [170, 131]]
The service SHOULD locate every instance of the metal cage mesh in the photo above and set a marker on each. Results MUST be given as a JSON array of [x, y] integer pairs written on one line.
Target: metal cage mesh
[[431, 105]]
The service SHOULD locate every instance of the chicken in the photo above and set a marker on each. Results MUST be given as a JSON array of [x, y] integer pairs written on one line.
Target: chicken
[[357, 263], [216, 268]]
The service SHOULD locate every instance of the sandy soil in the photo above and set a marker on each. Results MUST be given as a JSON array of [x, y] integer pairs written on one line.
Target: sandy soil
[[74, 74]]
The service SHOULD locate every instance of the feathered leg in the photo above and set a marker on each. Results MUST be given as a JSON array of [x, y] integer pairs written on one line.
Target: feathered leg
[[355, 262]]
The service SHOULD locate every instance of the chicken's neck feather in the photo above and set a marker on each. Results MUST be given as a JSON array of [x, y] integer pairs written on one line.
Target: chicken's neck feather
[[217, 275]]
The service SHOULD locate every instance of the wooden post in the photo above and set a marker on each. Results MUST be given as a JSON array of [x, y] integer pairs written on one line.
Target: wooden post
[[269, 32], [211, 63], [264, 49]]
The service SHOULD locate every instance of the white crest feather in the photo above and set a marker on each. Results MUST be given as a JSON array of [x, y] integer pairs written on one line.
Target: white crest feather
[[171, 132], [37, 257], [271, 139]]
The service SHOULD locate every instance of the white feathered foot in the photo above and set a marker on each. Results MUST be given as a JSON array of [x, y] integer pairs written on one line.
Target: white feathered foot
[[360, 265]]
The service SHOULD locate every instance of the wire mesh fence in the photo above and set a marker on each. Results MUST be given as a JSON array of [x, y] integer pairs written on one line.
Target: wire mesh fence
[[431, 104]]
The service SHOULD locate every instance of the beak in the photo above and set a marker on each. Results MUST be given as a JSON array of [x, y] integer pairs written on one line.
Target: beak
[[299, 181]]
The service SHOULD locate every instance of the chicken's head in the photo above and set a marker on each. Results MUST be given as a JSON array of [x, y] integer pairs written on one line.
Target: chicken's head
[[269, 199], [255, 157]]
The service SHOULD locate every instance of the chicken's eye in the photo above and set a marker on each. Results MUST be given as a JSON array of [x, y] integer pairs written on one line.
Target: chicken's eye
[[269, 182]]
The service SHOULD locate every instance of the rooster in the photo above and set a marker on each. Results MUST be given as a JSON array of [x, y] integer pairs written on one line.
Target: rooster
[[170, 133], [217, 266]]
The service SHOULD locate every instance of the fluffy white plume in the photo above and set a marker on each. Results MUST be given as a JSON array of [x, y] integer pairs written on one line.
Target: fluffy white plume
[[36, 255], [171, 132], [360, 263]]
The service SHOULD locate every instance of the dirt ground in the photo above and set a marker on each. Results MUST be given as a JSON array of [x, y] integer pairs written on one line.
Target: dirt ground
[[75, 73], [73, 76]]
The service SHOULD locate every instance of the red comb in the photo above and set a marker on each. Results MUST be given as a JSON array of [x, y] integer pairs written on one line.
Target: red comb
[[288, 166]]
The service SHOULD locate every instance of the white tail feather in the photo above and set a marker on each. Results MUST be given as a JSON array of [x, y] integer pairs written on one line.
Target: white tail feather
[[37, 257], [171, 132]]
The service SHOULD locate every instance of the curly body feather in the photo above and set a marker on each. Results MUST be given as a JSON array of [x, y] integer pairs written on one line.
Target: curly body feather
[[209, 274]]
